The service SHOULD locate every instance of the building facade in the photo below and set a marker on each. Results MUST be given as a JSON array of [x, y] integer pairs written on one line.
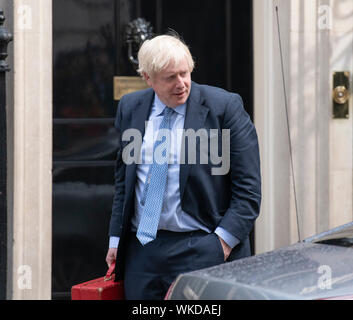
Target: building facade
[[61, 104]]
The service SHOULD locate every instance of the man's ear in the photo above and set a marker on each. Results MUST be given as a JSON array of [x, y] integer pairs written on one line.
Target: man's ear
[[147, 78]]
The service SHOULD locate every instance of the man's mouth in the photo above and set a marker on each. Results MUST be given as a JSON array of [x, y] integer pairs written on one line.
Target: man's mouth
[[180, 94]]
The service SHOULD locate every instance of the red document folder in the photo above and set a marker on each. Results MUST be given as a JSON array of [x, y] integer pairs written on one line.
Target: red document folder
[[104, 288]]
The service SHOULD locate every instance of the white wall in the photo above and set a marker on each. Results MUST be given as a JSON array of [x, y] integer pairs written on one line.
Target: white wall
[[340, 137], [321, 145]]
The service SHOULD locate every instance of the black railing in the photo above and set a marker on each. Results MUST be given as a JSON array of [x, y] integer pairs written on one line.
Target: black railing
[[5, 38]]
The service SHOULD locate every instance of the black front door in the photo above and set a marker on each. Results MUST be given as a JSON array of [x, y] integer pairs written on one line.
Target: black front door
[[89, 50]]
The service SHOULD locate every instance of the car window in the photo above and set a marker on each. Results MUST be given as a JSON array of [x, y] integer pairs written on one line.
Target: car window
[[342, 242]]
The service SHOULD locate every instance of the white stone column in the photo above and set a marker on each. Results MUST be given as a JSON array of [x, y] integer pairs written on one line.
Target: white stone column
[[32, 149], [273, 226]]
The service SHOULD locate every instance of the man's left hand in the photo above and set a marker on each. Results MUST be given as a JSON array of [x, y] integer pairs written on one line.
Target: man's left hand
[[226, 249]]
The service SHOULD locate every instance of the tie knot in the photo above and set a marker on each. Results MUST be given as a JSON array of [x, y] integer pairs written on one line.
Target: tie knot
[[168, 111]]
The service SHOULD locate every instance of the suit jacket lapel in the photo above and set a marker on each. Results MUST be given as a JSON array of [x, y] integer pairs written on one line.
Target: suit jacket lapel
[[142, 111], [140, 115], [195, 117]]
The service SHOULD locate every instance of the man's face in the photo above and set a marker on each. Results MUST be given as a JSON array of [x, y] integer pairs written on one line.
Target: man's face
[[172, 84]]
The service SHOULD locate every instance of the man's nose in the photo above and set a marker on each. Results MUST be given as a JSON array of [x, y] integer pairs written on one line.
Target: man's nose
[[180, 82]]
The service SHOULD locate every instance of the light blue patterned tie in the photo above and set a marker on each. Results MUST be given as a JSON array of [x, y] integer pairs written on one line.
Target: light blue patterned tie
[[154, 189]]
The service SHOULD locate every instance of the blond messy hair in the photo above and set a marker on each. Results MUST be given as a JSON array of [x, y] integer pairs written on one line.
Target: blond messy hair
[[157, 53]]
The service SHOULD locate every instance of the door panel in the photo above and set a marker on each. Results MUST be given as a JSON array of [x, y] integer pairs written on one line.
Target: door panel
[[84, 144]]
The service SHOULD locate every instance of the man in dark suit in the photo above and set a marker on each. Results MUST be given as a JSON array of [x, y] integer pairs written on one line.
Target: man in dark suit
[[187, 179]]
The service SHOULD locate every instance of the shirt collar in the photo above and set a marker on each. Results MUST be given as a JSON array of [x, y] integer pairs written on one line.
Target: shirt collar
[[160, 106]]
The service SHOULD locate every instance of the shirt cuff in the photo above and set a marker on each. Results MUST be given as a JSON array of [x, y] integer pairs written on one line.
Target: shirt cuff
[[113, 242], [229, 239]]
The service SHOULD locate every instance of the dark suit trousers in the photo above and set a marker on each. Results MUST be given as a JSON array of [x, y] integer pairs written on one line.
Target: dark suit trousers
[[150, 269]]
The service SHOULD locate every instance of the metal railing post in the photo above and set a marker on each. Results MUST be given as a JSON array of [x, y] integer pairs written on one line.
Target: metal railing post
[[5, 38]]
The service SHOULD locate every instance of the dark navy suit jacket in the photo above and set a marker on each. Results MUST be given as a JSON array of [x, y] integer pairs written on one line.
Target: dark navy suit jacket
[[231, 201]]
